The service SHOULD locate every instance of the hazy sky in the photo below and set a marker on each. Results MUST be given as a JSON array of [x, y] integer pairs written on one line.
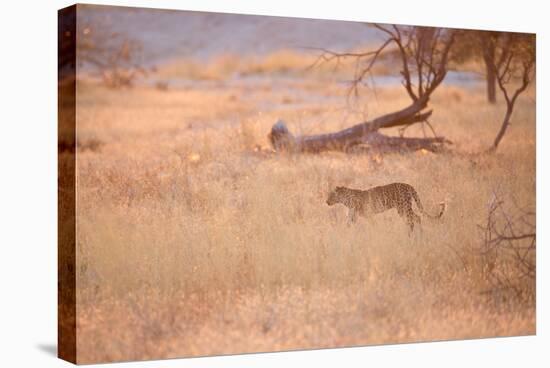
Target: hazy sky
[[168, 34]]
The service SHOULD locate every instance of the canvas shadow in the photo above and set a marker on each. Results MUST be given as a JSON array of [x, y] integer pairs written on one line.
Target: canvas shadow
[[50, 349]]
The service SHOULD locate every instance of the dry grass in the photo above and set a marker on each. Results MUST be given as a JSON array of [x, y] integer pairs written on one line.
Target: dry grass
[[193, 241], [303, 63]]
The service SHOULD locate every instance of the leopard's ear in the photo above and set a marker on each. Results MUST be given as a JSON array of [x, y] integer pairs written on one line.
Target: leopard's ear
[[339, 188]]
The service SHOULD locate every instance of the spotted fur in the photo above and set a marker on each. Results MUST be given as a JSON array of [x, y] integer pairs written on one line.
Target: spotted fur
[[380, 199]]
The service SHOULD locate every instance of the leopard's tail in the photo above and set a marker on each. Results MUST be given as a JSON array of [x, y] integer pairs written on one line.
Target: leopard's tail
[[421, 208]]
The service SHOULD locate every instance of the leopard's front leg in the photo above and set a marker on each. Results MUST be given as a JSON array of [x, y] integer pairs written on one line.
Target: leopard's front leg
[[352, 216]]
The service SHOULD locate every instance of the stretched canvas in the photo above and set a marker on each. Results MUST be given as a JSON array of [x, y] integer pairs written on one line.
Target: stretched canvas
[[239, 183]]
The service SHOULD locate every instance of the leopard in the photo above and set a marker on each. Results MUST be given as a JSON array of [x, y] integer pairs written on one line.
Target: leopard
[[382, 198]]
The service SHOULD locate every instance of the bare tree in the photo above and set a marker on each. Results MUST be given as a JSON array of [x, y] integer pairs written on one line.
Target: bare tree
[[423, 55], [509, 249], [514, 69], [113, 55], [479, 46]]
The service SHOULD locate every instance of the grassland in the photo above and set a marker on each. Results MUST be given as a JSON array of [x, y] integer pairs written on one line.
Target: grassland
[[304, 64], [193, 238]]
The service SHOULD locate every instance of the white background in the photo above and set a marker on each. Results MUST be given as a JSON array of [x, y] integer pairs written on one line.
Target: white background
[[28, 149]]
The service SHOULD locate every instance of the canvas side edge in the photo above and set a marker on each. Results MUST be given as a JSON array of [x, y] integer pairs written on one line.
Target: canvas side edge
[[67, 184]]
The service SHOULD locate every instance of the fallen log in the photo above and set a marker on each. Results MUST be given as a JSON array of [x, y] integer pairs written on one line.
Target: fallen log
[[424, 55], [364, 134], [380, 143]]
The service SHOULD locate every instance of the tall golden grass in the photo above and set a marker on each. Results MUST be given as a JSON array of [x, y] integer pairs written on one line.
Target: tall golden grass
[[194, 239]]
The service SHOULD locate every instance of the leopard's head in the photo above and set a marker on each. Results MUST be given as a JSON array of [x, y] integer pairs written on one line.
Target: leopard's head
[[335, 196]]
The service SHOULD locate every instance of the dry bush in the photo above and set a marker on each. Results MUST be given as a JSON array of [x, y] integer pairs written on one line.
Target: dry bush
[[283, 61], [508, 251], [92, 144], [115, 57]]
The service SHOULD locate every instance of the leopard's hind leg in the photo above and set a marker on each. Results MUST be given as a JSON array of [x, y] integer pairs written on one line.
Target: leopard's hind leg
[[411, 217], [352, 216]]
